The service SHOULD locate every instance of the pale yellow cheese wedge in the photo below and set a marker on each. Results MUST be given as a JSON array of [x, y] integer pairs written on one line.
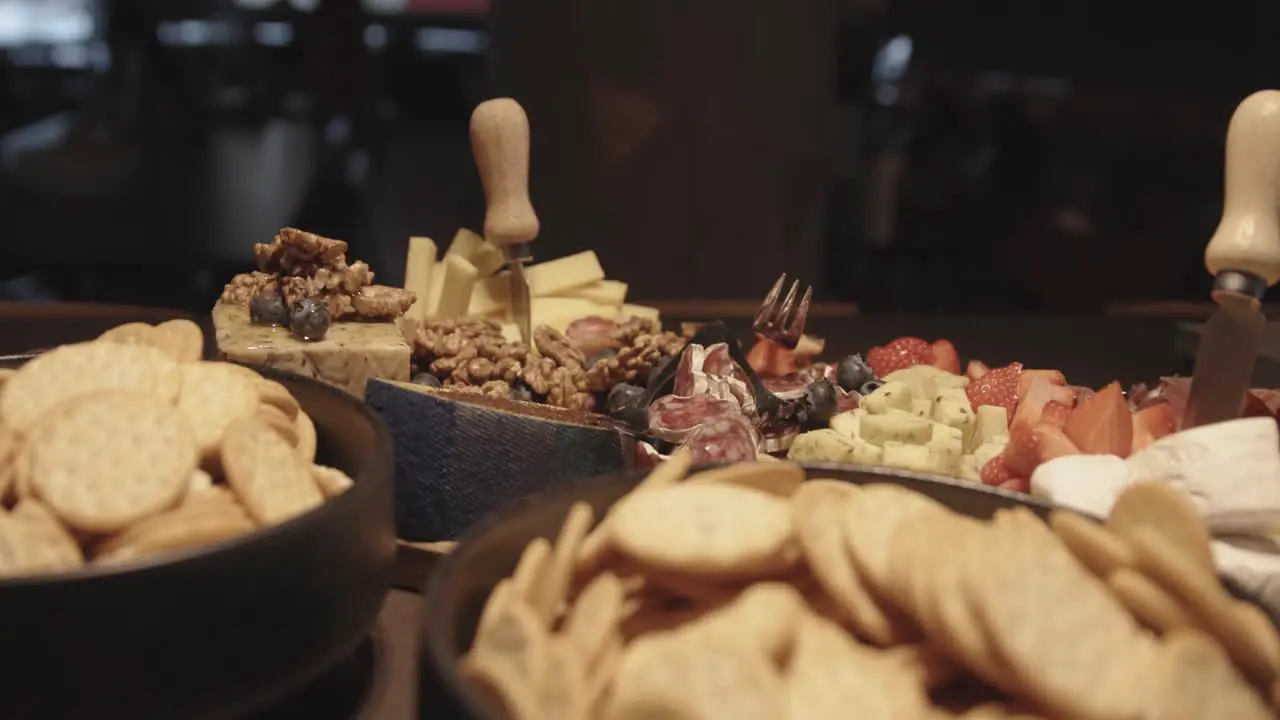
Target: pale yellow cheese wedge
[[419, 264]]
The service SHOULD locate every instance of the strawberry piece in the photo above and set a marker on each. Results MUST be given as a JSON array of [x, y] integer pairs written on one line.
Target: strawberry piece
[[1065, 395], [1142, 437], [975, 369], [996, 387], [1016, 484], [1101, 424], [1054, 413], [1052, 442], [1158, 420], [899, 354], [1053, 377], [945, 356], [995, 471], [1022, 453]]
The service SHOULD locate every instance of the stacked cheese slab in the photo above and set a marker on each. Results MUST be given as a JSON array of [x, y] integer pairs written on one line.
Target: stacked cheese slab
[[468, 281], [920, 419]]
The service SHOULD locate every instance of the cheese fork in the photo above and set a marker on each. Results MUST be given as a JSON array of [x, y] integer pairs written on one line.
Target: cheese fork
[[783, 323]]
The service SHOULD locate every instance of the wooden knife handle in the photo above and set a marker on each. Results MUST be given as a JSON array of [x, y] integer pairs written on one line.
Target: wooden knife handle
[[1248, 237], [500, 143]]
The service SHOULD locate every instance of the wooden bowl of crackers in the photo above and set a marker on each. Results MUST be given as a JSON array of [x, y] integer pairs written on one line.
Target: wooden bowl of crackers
[[181, 538], [773, 590]]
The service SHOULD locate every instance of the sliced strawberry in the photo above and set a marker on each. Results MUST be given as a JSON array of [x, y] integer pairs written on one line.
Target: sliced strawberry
[[1052, 442], [996, 387], [1031, 401], [1053, 377], [975, 369], [898, 354], [945, 356], [1101, 425], [1158, 419], [1054, 413], [995, 471], [1016, 484], [1065, 395], [1142, 437]]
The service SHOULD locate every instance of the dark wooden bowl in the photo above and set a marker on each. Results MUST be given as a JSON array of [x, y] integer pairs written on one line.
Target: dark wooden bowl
[[220, 630], [461, 583]]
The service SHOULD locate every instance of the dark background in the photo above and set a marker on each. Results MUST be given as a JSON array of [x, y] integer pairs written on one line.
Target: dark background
[[1017, 157]]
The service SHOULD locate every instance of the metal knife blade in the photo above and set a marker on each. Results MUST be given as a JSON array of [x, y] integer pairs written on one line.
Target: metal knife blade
[[521, 310], [1225, 360]]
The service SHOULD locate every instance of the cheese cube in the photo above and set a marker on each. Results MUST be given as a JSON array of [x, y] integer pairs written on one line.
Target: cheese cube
[[955, 412], [906, 457], [948, 380], [921, 379], [900, 428], [921, 407], [947, 433], [990, 421], [824, 445], [865, 453], [968, 469], [435, 289], [989, 449], [604, 292], [944, 454], [892, 394], [549, 279], [418, 267], [846, 423]]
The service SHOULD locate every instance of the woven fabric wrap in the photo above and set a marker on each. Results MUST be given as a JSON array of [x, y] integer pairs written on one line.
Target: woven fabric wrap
[[456, 463]]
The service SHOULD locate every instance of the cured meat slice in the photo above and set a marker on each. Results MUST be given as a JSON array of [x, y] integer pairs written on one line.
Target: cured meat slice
[[788, 387], [591, 334], [718, 362], [690, 370], [725, 439], [646, 456], [723, 380], [674, 417], [846, 401]]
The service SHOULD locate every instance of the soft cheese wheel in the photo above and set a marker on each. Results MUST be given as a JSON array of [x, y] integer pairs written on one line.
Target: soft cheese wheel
[[418, 270], [455, 292]]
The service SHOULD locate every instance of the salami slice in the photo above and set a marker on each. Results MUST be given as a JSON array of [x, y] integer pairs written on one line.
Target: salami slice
[[673, 417], [690, 370], [726, 439], [718, 362], [788, 387], [778, 440], [646, 455], [846, 401], [591, 334]]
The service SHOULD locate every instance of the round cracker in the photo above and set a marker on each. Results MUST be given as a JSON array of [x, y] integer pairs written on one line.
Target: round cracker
[[72, 370], [134, 333], [877, 511], [182, 339], [9, 452], [1061, 632], [213, 396], [517, 635], [1101, 550], [1168, 511], [562, 692], [594, 615], [265, 473], [32, 541], [1196, 680], [107, 460], [818, 508], [277, 395], [1147, 601], [773, 477], [512, 695], [763, 617], [190, 525], [1253, 646], [531, 568], [715, 530], [282, 423], [306, 432], [554, 589], [331, 481]]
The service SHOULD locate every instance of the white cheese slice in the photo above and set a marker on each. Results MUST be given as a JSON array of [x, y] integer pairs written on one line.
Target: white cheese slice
[[955, 412], [1087, 483], [946, 432], [846, 423], [906, 457], [892, 394], [989, 449], [418, 266], [1230, 469], [464, 244], [641, 311], [488, 258], [455, 293], [947, 380], [434, 291], [900, 428], [603, 292]]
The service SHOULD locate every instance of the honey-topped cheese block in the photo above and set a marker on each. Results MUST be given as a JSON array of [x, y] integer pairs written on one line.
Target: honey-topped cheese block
[[347, 357], [307, 310]]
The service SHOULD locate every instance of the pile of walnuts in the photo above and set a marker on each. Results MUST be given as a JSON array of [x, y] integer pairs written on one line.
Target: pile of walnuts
[[472, 355]]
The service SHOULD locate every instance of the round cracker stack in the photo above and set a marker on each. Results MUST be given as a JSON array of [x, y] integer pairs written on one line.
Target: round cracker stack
[[122, 448], [743, 593]]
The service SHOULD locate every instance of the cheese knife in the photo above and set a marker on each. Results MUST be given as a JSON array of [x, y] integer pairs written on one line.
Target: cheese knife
[[1244, 258], [500, 143]]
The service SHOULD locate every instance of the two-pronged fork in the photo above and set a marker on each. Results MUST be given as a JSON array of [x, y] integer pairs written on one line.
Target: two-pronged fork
[[783, 323]]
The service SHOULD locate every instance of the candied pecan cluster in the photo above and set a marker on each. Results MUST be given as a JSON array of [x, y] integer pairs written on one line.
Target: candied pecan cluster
[[640, 345], [300, 265]]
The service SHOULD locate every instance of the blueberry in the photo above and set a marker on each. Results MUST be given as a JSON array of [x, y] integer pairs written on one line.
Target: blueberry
[[310, 319], [267, 308], [521, 392], [427, 379], [853, 372], [819, 404], [624, 404], [869, 387]]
